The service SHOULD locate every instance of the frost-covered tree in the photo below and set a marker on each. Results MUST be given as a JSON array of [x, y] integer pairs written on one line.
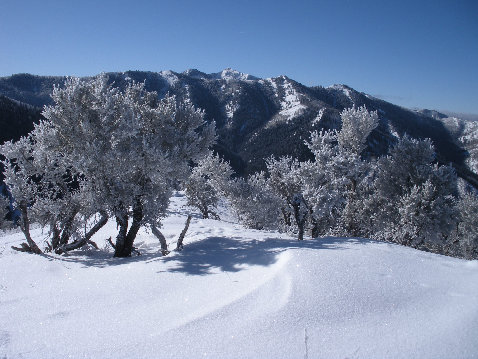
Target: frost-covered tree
[[130, 146], [426, 216], [254, 202], [322, 193], [286, 182], [207, 182], [334, 180], [465, 241], [46, 191], [324, 182], [123, 150], [413, 199], [357, 124], [22, 176], [4, 210]]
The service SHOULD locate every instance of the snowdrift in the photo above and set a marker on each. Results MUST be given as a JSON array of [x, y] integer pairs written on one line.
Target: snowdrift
[[237, 293]]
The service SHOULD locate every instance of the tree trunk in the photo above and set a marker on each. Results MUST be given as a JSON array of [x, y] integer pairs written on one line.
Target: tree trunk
[[300, 236], [122, 222], [55, 241], [300, 215], [67, 226], [87, 237], [315, 230], [286, 217], [162, 240], [135, 226], [180, 246], [25, 227]]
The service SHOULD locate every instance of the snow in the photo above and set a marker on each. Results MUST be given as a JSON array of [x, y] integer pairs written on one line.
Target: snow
[[230, 108], [237, 293], [274, 85], [345, 91], [467, 133], [170, 77], [318, 118], [231, 74], [290, 106]]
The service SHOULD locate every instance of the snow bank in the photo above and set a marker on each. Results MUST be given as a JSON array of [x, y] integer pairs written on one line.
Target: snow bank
[[237, 293]]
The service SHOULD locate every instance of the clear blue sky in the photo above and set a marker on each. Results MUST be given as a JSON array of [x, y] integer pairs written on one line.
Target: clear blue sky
[[412, 53]]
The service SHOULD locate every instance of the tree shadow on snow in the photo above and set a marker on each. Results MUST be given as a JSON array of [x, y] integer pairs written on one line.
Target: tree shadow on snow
[[103, 258], [230, 254]]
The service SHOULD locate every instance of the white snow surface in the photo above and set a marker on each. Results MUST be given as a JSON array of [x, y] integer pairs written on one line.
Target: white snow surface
[[230, 108], [318, 118], [231, 74], [170, 77], [290, 106], [236, 293], [344, 90]]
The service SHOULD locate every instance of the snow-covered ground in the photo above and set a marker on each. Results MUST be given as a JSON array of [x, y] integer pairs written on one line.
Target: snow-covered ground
[[237, 293]]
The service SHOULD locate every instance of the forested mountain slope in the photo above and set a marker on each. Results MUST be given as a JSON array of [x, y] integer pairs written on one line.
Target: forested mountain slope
[[257, 118]]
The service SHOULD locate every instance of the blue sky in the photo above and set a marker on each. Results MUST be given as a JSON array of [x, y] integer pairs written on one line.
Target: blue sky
[[412, 53]]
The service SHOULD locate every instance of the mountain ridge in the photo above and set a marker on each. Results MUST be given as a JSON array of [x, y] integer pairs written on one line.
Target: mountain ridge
[[257, 118]]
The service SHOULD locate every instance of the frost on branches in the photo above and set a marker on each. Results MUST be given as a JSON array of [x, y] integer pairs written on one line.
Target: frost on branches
[[414, 199], [107, 152], [403, 197], [207, 182], [316, 194], [4, 210], [466, 238], [253, 202]]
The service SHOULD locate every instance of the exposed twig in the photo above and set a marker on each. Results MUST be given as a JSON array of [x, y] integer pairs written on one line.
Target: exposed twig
[[93, 244], [86, 239], [24, 248], [25, 227], [111, 242]]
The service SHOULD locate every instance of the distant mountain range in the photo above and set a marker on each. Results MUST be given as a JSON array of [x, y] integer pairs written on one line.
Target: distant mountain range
[[257, 118]]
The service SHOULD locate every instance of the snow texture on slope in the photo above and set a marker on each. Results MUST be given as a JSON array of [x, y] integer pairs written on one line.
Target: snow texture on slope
[[290, 106], [237, 293]]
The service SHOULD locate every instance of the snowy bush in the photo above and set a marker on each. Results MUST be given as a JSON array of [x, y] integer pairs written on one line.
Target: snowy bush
[[253, 202], [321, 194], [207, 182], [102, 150], [413, 198], [464, 242], [357, 124]]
